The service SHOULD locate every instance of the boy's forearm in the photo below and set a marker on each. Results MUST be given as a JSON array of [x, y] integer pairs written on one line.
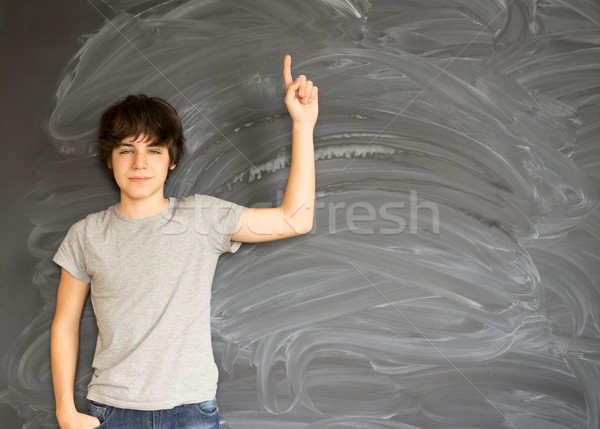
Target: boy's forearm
[[299, 197], [64, 344]]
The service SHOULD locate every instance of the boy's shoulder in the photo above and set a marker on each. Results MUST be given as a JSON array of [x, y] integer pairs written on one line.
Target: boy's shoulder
[[100, 216], [201, 201], [95, 218]]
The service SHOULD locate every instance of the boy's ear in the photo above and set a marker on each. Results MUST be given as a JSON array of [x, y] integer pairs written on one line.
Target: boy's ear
[[172, 166]]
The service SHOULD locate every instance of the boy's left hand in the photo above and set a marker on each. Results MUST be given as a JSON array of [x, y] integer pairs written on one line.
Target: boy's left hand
[[302, 97]]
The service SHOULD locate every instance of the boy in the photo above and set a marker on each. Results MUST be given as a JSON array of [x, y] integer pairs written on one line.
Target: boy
[[149, 263]]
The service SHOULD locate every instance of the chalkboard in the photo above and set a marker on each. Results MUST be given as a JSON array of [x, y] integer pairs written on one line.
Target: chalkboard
[[451, 278]]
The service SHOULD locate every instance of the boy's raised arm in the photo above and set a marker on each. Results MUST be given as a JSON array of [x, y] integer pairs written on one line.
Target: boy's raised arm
[[295, 215]]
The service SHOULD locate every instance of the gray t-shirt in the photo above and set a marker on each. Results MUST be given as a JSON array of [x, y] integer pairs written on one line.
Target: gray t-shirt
[[150, 289]]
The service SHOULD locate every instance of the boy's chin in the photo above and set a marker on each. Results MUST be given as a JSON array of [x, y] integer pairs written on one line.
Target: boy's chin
[[137, 196]]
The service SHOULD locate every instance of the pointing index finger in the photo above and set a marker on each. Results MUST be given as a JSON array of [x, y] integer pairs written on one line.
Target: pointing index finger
[[287, 71]]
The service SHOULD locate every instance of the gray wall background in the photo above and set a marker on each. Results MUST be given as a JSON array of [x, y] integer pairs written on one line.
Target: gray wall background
[[451, 278]]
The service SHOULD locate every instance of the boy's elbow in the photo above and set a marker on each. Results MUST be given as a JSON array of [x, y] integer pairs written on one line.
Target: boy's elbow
[[63, 325], [305, 228], [299, 223], [306, 225]]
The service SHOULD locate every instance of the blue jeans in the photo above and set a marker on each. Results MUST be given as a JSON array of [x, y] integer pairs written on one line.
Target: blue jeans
[[202, 415]]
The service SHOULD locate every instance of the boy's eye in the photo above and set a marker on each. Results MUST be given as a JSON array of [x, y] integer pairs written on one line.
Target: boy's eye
[[125, 151], [155, 152]]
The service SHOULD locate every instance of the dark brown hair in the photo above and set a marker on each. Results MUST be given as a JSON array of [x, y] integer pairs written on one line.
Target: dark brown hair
[[136, 115]]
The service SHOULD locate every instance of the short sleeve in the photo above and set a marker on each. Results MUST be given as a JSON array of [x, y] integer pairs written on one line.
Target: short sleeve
[[71, 253], [222, 217]]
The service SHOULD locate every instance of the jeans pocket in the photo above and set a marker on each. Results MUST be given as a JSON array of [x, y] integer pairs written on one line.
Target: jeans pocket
[[101, 411], [207, 408]]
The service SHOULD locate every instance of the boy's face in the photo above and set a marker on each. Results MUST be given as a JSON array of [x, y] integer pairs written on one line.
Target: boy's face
[[140, 168]]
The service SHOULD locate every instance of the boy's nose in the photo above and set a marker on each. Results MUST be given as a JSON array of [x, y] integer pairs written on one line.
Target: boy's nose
[[139, 162]]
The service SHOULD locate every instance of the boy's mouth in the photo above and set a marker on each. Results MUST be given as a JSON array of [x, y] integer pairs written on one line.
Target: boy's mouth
[[139, 179]]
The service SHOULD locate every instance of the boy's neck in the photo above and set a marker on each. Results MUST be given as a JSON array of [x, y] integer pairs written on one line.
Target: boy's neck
[[140, 209]]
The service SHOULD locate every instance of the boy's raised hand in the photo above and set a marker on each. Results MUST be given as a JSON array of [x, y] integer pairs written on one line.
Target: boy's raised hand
[[301, 96]]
